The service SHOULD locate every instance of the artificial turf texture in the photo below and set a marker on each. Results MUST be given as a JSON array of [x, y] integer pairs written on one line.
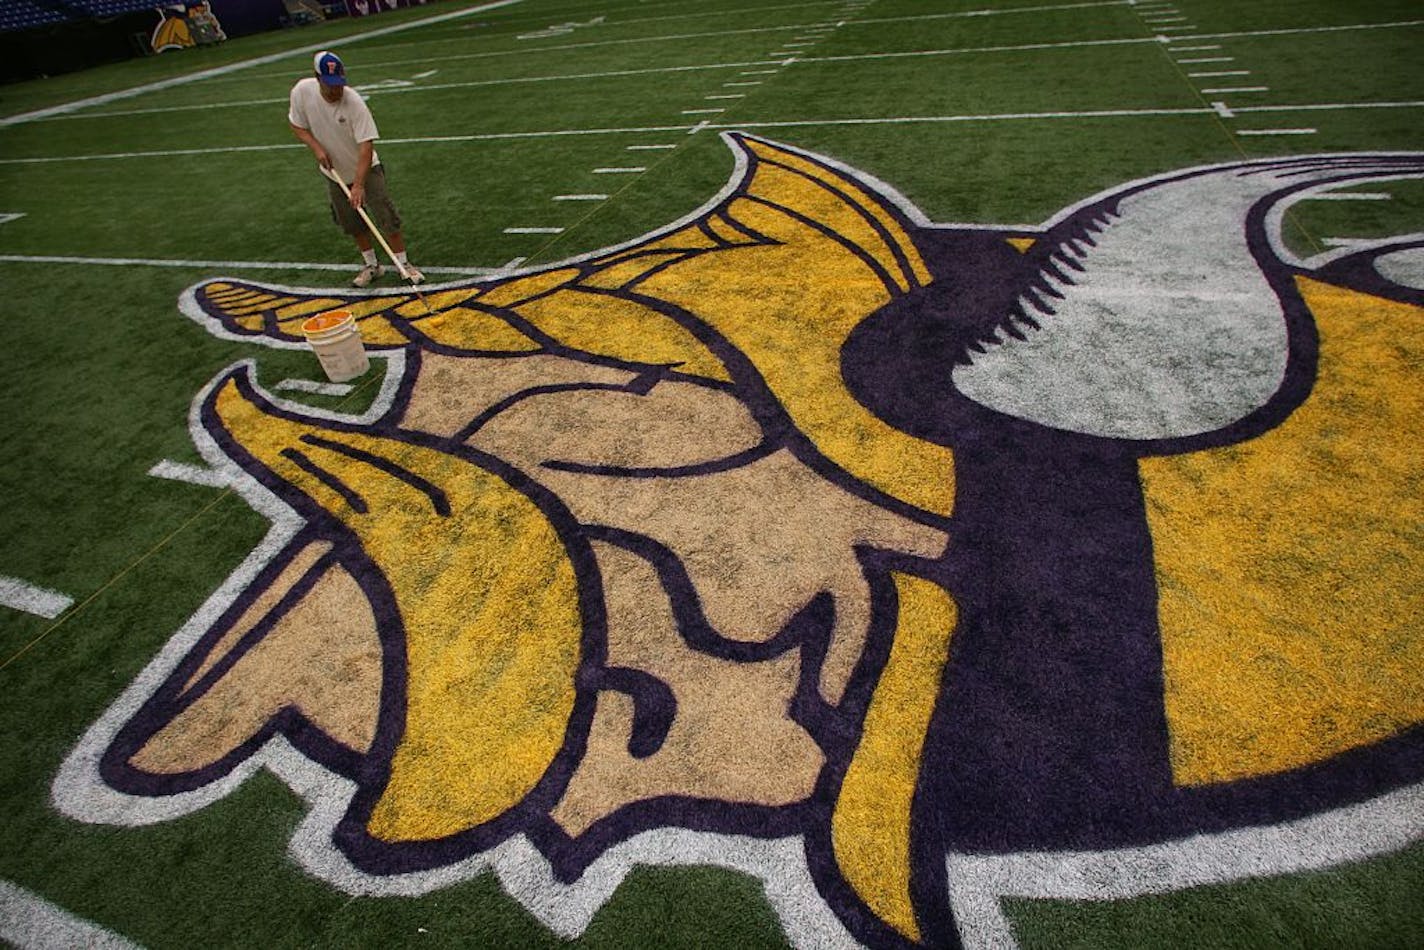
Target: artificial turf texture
[[102, 368]]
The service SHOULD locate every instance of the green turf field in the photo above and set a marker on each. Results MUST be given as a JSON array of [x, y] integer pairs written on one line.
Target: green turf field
[[521, 134]]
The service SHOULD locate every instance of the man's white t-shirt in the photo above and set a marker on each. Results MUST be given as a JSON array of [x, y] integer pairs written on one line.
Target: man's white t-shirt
[[340, 127]]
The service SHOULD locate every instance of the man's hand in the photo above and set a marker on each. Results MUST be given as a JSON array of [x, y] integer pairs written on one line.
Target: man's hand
[[358, 195], [306, 138]]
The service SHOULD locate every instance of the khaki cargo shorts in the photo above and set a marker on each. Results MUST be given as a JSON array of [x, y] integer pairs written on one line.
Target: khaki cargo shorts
[[378, 206]]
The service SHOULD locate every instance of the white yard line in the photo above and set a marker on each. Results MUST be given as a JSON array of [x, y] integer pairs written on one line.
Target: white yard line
[[725, 13], [980, 50], [1193, 49], [1332, 106], [1045, 8], [554, 133], [722, 14], [1223, 110], [1232, 89], [156, 110], [208, 265], [1091, 114], [433, 87], [1296, 31], [647, 148], [533, 230], [677, 37], [597, 44], [1053, 7], [971, 50], [1209, 59], [991, 117], [702, 111], [727, 95], [40, 601], [245, 64], [1064, 45], [426, 58], [622, 170], [1275, 131], [1245, 34], [153, 154], [580, 198], [11, 216], [557, 133], [1218, 74]]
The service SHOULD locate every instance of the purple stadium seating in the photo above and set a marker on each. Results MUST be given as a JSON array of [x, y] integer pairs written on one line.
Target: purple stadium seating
[[25, 14], [104, 8]]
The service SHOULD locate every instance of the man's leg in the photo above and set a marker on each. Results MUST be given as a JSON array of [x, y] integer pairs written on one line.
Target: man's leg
[[349, 221], [398, 245], [371, 265], [387, 218]]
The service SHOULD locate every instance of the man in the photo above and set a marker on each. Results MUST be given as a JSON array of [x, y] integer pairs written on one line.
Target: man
[[336, 125]]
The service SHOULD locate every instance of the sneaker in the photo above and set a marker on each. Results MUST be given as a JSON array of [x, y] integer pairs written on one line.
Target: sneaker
[[413, 274], [367, 274]]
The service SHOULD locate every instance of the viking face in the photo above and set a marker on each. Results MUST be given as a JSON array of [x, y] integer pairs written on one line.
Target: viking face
[[805, 520]]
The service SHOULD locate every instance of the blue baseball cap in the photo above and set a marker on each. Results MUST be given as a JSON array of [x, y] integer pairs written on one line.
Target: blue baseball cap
[[329, 68]]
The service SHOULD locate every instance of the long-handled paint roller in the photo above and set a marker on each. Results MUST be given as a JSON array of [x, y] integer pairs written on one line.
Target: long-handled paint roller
[[380, 238]]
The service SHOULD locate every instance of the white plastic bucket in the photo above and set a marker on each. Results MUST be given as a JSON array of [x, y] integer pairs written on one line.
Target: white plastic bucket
[[336, 340]]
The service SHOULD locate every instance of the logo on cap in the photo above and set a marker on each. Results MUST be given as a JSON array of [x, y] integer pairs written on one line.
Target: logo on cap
[[329, 69]]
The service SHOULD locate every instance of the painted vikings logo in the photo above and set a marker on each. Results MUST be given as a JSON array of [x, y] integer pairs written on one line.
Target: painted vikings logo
[[902, 565]]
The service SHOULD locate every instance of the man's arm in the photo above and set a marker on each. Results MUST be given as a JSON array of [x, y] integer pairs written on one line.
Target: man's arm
[[363, 165], [309, 140]]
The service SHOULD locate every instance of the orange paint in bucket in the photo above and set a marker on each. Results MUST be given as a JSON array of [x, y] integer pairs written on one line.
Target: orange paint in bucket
[[336, 340]]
